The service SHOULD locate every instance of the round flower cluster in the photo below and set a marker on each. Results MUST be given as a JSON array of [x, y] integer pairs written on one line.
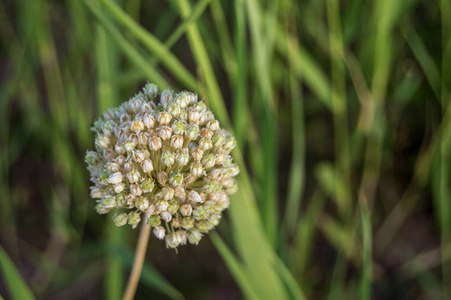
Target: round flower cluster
[[163, 158]]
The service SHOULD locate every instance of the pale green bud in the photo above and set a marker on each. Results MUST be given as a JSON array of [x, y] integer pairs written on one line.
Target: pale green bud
[[150, 90], [120, 219], [174, 109], [176, 178], [230, 143], [194, 236], [218, 139], [192, 131], [213, 125], [167, 193], [129, 146], [168, 158], [214, 219], [178, 127], [103, 141], [182, 158], [92, 158], [199, 213], [203, 226], [162, 205], [109, 202], [173, 207], [102, 209], [208, 161], [205, 144], [147, 185], [187, 223], [154, 220], [134, 218], [166, 97]]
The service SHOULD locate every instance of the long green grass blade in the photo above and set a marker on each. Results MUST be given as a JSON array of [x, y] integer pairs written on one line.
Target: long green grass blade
[[17, 287]]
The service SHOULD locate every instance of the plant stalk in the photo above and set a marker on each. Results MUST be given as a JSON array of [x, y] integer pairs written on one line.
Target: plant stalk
[[138, 263]]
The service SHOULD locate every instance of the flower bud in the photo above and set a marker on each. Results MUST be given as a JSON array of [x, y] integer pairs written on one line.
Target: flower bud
[[182, 158], [162, 205], [130, 200], [203, 226], [205, 144], [194, 197], [115, 178], [199, 213], [159, 232], [213, 125], [151, 210], [96, 192], [109, 202], [103, 141], [167, 217], [179, 192], [214, 219], [208, 161], [187, 223], [138, 156], [218, 140], [162, 178], [186, 210], [166, 97], [196, 169], [133, 176], [194, 236], [230, 143], [148, 121], [167, 193], [120, 219], [134, 219], [155, 143], [176, 141], [172, 240], [147, 166], [192, 131], [118, 188], [137, 126], [150, 90], [129, 146], [164, 132], [175, 178], [216, 175], [174, 109], [168, 158], [100, 209], [194, 116], [92, 158], [147, 185], [135, 190], [182, 236], [164, 118], [197, 154], [142, 203], [154, 221], [178, 127], [206, 133]]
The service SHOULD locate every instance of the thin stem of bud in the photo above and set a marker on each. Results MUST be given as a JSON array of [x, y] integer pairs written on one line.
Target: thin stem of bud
[[140, 255]]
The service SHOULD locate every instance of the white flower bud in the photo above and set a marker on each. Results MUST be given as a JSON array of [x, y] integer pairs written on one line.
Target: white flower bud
[[96, 192], [197, 154], [143, 138], [206, 133], [135, 189], [120, 219], [166, 97], [150, 90], [166, 216], [164, 118], [196, 169], [172, 240], [119, 148], [103, 141], [167, 193], [138, 156], [159, 232], [162, 178], [155, 143], [130, 201], [164, 132], [177, 141], [194, 197], [182, 158], [186, 210], [147, 166], [133, 176], [213, 125], [118, 188], [151, 210], [142, 203], [215, 174], [179, 192], [205, 144], [129, 146], [115, 178], [137, 125], [162, 205], [148, 121], [194, 116], [182, 236]]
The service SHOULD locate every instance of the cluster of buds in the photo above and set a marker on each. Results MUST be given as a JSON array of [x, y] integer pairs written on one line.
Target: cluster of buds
[[164, 159]]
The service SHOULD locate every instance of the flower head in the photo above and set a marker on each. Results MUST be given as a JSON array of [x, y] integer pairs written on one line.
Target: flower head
[[163, 158]]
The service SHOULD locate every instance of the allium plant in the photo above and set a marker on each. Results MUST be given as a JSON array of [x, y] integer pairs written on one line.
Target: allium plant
[[163, 159]]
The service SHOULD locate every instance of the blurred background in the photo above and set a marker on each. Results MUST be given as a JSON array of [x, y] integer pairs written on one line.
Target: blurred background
[[341, 112]]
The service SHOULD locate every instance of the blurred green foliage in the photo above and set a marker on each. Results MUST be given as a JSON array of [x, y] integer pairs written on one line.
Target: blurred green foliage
[[341, 112]]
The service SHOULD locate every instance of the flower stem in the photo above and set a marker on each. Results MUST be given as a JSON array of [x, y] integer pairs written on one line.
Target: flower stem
[[139, 260]]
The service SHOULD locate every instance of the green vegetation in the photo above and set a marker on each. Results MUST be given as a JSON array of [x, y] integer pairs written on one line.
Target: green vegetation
[[341, 112]]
